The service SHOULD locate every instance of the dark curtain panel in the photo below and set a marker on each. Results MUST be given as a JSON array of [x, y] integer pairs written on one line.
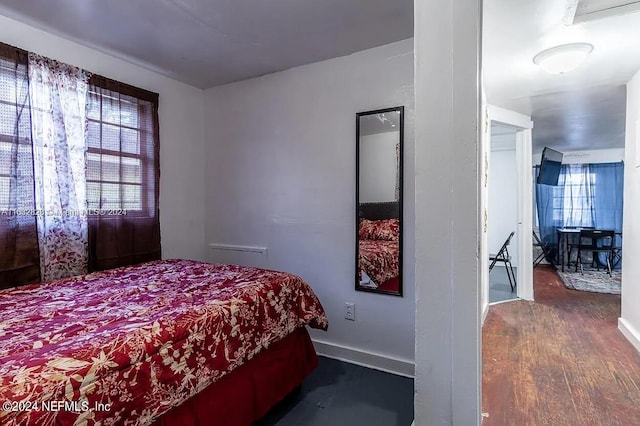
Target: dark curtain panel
[[19, 258], [123, 171]]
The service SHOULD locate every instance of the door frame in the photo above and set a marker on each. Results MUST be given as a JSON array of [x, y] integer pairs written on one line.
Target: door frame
[[523, 126]]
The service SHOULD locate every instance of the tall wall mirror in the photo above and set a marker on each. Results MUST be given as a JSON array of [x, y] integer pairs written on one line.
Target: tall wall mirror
[[379, 140]]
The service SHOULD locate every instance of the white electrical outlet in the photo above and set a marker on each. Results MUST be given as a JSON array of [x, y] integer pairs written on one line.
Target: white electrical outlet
[[350, 311]]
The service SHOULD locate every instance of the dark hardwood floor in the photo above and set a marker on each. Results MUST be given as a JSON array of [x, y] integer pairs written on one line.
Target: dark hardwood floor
[[338, 393], [560, 360]]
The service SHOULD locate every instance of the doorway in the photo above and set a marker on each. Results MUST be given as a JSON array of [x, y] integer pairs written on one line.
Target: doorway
[[520, 125], [503, 213]]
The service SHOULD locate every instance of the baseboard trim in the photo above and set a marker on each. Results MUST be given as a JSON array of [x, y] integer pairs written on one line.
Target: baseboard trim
[[376, 361], [485, 311], [500, 302], [629, 332]]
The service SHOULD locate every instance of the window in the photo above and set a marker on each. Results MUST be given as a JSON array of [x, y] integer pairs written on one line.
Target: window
[[572, 198], [122, 174], [120, 153], [15, 135]]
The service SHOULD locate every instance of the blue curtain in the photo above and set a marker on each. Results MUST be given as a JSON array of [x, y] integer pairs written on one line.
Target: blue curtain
[[587, 195], [607, 202], [566, 204], [544, 203]]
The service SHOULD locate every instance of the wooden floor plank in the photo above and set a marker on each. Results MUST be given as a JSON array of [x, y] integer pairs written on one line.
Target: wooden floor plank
[[560, 360]]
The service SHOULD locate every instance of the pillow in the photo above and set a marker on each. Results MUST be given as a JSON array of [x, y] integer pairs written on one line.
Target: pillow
[[366, 229], [386, 229]]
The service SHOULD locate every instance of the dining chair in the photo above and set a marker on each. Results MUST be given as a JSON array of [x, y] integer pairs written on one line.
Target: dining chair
[[616, 257], [546, 250], [595, 241], [504, 257], [573, 241]]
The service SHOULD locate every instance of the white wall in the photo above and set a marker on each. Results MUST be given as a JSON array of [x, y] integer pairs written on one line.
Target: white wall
[[280, 158], [448, 220], [629, 322], [593, 156], [503, 200], [181, 133], [378, 167]]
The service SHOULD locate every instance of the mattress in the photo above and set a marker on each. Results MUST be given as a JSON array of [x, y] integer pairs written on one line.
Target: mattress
[[379, 259], [125, 346]]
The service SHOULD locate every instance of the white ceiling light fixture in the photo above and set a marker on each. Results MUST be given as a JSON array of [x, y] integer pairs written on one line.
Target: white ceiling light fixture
[[564, 58]]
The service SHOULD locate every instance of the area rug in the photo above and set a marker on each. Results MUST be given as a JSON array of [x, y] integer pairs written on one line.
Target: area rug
[[592, 280]]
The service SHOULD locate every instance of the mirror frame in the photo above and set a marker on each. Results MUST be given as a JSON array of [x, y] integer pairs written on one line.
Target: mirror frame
[[358, 287]]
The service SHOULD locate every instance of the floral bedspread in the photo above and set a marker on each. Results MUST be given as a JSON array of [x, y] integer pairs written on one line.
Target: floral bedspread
[[124, 346], [380, 259]]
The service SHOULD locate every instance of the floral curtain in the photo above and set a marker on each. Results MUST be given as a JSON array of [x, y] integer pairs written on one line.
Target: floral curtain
[[58, 94]]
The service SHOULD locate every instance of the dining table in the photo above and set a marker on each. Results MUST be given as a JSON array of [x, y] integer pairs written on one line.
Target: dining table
[[564, 235], [567, 234]]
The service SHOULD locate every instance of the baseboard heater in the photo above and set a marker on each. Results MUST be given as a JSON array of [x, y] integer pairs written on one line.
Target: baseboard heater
[[238, 255]]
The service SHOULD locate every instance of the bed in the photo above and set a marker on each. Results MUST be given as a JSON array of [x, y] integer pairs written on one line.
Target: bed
[[379, 246], [171, 342]]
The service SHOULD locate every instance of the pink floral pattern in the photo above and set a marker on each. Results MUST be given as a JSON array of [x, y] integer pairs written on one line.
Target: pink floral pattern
[[386, 229], [57, 93], [140, 339], [380, 259]]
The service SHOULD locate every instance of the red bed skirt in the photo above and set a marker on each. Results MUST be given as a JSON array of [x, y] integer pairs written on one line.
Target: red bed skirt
[[250, 391], [391, 285]]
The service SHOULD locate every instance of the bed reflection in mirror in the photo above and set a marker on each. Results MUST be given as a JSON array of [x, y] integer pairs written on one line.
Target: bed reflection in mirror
[[379, 140]]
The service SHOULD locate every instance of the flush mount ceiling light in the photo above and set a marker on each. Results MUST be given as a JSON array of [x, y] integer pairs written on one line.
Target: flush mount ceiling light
[[563, 58]]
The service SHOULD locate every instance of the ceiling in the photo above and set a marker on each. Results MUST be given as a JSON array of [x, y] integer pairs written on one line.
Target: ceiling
[[583, 109], [503, 137], [379, 123], [500, 129], [211, 42]]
